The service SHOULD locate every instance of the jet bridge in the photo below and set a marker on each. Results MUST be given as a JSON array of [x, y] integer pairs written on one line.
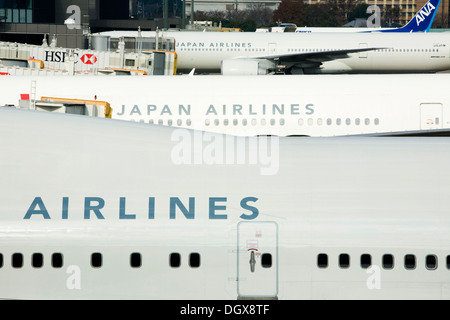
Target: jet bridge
[[92, 108]]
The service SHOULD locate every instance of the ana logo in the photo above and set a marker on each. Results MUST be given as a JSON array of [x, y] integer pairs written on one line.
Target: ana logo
[[424, 12], [88, 58]]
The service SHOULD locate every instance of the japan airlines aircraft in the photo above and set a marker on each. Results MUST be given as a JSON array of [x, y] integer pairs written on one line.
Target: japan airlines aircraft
[[316, 105], [421, 22], [102, 209], [253, 53]]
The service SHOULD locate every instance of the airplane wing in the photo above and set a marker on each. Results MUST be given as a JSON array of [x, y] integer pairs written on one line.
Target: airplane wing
[[315, 57], [310, 60]]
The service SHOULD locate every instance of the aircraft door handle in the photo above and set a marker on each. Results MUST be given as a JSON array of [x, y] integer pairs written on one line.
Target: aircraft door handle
[[252, 261]]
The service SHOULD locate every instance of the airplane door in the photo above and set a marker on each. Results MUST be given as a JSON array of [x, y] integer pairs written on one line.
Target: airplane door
[[272, 49], [257, 260], [364, 53], [431, 116]]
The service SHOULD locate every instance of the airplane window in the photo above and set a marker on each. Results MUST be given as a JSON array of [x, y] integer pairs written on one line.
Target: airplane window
[[225, 122], [37, 260], [179, 122], [366, 261], [410, 261], [338, 121], [207, 122], [253, 122], [135, 260], [272, 122], [160, 121], [96, 260], [344, 260], [448, 261], [431, 262], [57, 260], [216, 122], [175, 260], [17, 260], [367, 121], [329, 122], [388, 261], [310, 122], [281, 122], [194, 260], [169, 122], [300, 122], [357, 121], [377, 121], [1, 260], [266, 260], [322, 260], [347, 121], [244, 122], [319, 121], [188, 122], [235, 122]]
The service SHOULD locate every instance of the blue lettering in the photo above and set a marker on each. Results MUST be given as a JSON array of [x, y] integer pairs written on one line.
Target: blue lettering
[[310, 109], [37, 202], [213, 207], [176, 202], [135, 110], [151, 208], [211, 109], [122, 213], [244, 205], [166, 109], [96, 209], [65, 208], [150, 108]]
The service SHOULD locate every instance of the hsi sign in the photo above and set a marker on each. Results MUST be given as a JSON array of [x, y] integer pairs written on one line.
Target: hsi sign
[[94, 209]]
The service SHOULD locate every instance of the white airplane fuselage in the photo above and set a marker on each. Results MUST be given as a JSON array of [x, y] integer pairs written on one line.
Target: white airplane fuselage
[[101, 209], [398, 52], [314, 105]]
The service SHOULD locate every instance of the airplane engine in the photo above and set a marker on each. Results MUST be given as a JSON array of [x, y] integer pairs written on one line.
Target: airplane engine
[[247, 67]]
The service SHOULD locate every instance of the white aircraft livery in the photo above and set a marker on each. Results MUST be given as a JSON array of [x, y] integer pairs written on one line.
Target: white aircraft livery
[[253, 53], [102, 209], [307, 105]]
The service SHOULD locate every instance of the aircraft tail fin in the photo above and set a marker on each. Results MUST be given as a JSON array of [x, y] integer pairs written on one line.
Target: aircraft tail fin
[[423, 19]]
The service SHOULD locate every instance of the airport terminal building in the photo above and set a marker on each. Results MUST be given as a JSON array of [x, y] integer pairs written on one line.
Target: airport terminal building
[[29, 21]]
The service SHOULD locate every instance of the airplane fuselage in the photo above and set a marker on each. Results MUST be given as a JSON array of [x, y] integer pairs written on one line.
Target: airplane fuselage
[[102, 209], [307, 105], [396, 53]]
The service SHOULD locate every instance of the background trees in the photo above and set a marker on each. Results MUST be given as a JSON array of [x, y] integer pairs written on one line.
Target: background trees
[[328, 13]]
